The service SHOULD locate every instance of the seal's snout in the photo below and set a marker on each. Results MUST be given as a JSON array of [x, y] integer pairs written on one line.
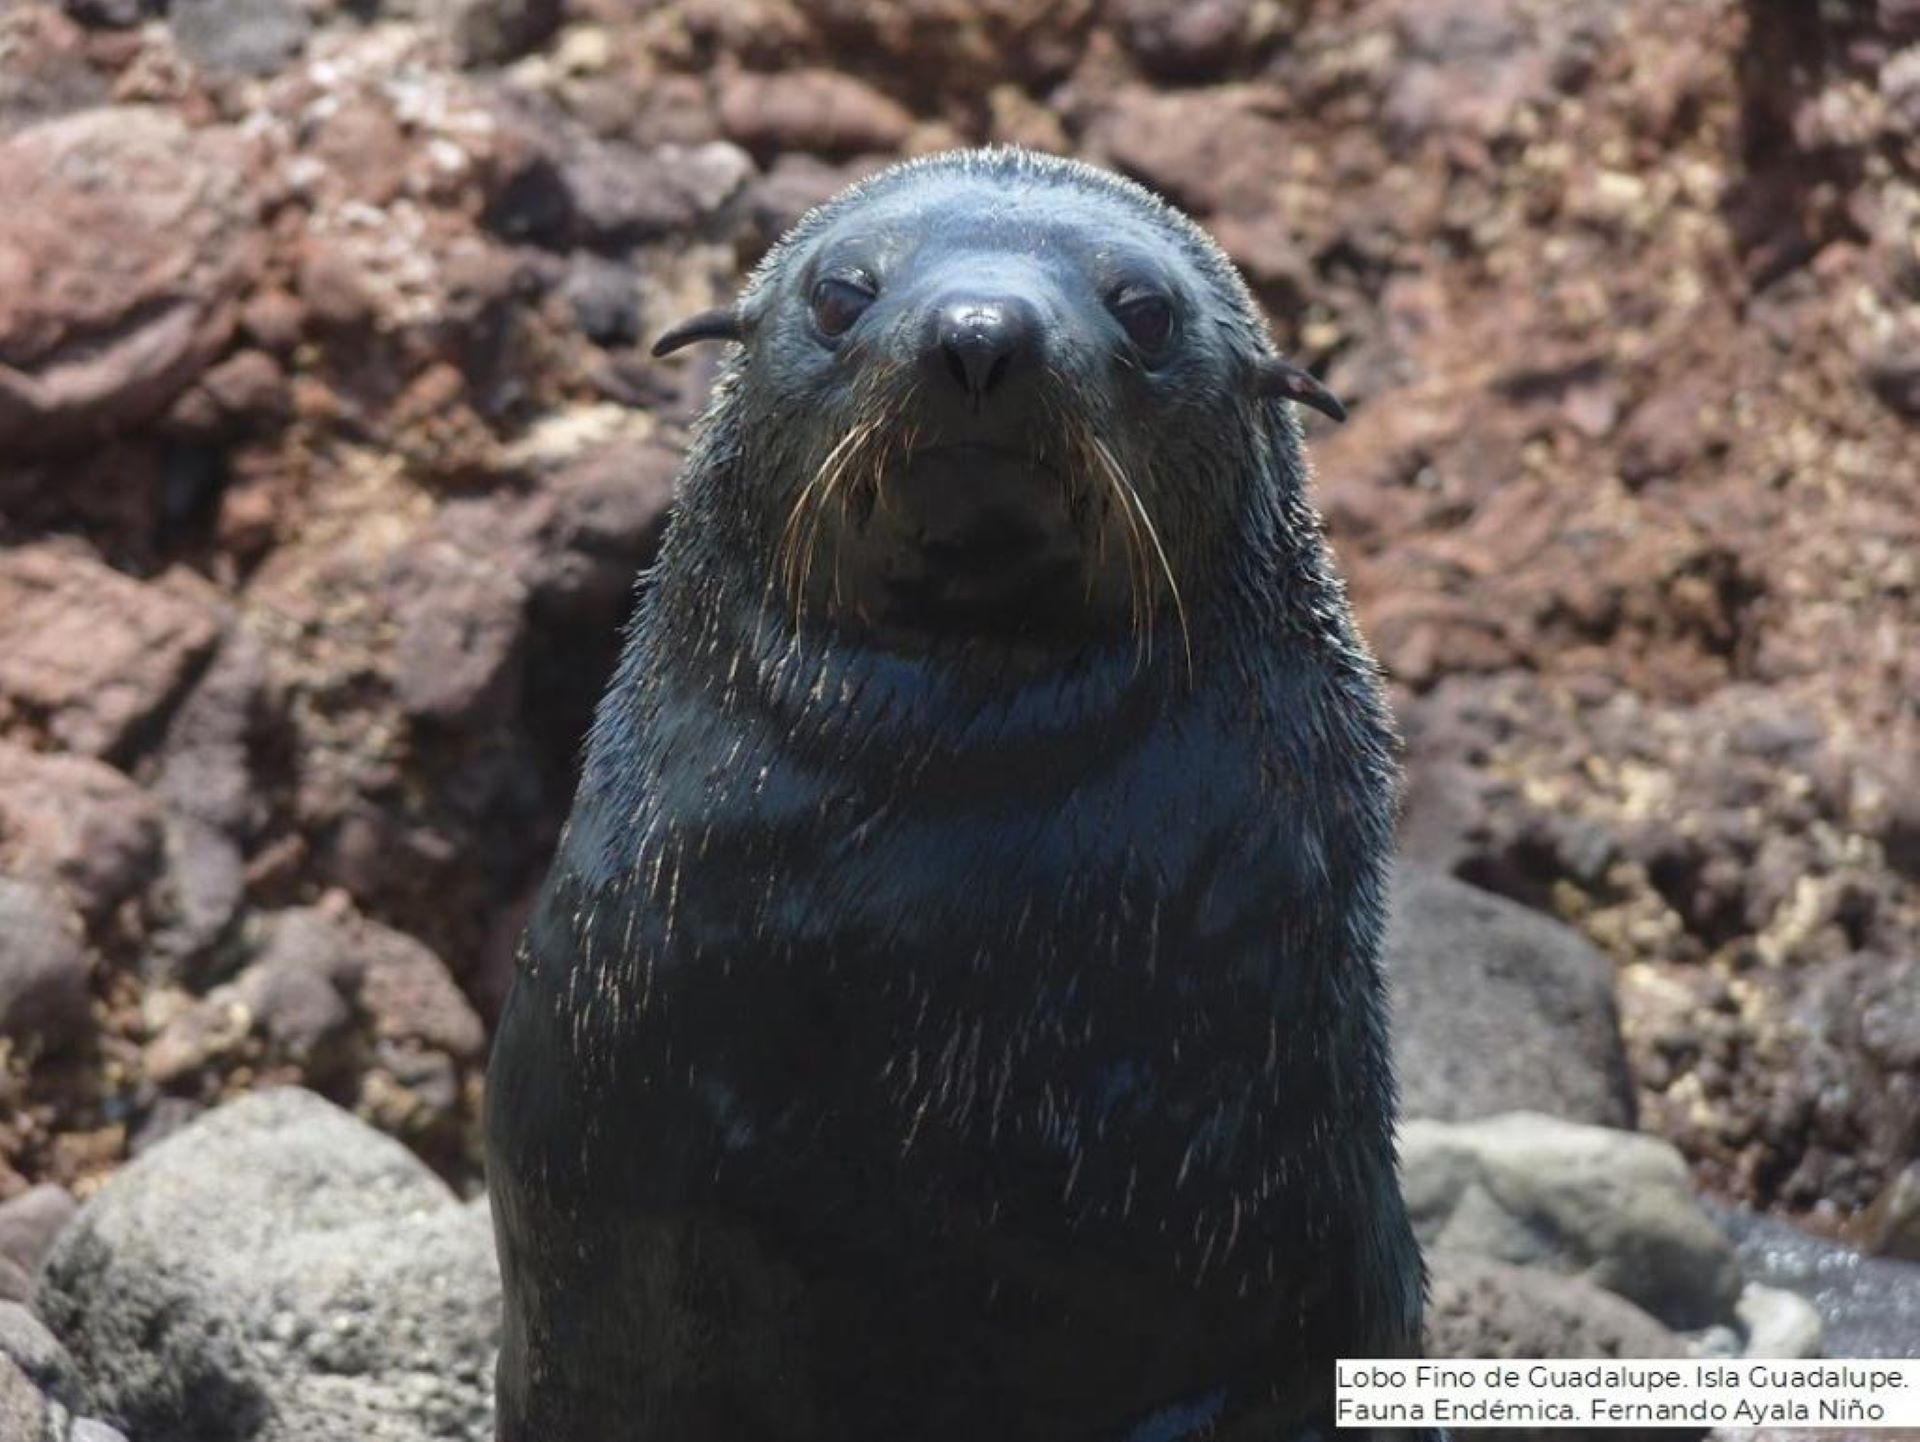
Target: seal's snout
[[981, 343]]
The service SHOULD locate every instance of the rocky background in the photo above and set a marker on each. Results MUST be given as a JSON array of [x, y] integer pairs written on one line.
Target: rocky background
[[329, 451]]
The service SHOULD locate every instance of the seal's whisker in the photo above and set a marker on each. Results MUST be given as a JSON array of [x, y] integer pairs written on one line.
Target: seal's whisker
[[1139, 589], [1160, 551], [854, 467], [1066, 424], [805, 507], [830, 475]]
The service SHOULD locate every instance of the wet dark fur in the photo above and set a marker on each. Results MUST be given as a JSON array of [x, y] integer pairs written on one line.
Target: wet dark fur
[[970, 1042]]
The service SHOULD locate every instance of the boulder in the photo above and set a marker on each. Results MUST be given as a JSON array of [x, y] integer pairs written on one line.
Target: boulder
[[821, 112], [88, 654], [492, 32], [31, 1222], [1498, 1008], [1214, 151], [123, 248], [1892, 1224], [355, 1007], [39, 1386], [1479, 1310], [28, 1345], [276, 1271], [1612, 1207], [461, 636], [1185, 39], [622, 195], [24, 1409], [242, 37], [79, 823], [608, 511], [794, 183], [43, 966]]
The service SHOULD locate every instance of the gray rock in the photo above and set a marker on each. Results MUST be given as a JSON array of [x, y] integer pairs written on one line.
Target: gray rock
[[1892, 369], [623, 195], [38, 1384], [43, 965], [1185, 39], [491, 32], [107, 14], [1487, 1309], [1777, 1323], [1480, 1309], [16, 1282], [24, 1412], [90, 1429], [460, 650], [605, 297], [207, 883], [30, 1222], [793, 184], [279, 1272], [1498, 1008], [1613, 1207], [609, 509], [242, 37], [26, 1342], [1892, 1223]]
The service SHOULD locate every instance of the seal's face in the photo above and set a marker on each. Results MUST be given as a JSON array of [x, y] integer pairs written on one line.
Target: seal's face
[[1000, 398]]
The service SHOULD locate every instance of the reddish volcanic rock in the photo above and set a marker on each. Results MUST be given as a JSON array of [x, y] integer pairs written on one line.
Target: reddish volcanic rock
[[87, 655], [1186, 39], [78, 823], [818, 111], [123, 247], [1210, 150]]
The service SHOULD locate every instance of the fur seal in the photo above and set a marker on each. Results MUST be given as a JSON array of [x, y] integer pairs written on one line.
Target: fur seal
[[953, 1014]]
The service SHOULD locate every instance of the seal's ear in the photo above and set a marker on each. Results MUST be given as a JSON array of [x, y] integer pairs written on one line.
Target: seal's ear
[[720, 324], [1289, 383]]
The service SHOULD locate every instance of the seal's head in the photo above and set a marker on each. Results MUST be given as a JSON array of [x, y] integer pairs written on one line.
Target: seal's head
[[994, 396]]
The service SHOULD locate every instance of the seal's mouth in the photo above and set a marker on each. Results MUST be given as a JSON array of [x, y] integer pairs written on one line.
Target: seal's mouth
[[979, 505], [927, 526], [980, 532]]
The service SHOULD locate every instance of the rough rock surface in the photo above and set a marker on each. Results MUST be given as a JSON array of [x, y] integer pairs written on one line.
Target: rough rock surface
[[1482, 1309], [1498, 1009], [88, 656], [1612, 1207], [1892, 1225], [79, 824], [43, 966], [123, 247], [279, 1271], [359, 1010], [29, 1223]]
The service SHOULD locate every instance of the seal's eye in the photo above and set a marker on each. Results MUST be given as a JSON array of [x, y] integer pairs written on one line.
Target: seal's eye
[[1146, 316], [839, 301]]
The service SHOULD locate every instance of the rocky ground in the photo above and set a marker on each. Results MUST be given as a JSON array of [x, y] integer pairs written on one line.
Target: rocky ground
[[329, 450]]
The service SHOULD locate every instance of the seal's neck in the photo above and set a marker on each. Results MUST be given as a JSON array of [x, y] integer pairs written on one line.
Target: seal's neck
[[814, 679]]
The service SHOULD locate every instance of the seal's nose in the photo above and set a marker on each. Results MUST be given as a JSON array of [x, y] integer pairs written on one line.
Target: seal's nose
[[981, 342]]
